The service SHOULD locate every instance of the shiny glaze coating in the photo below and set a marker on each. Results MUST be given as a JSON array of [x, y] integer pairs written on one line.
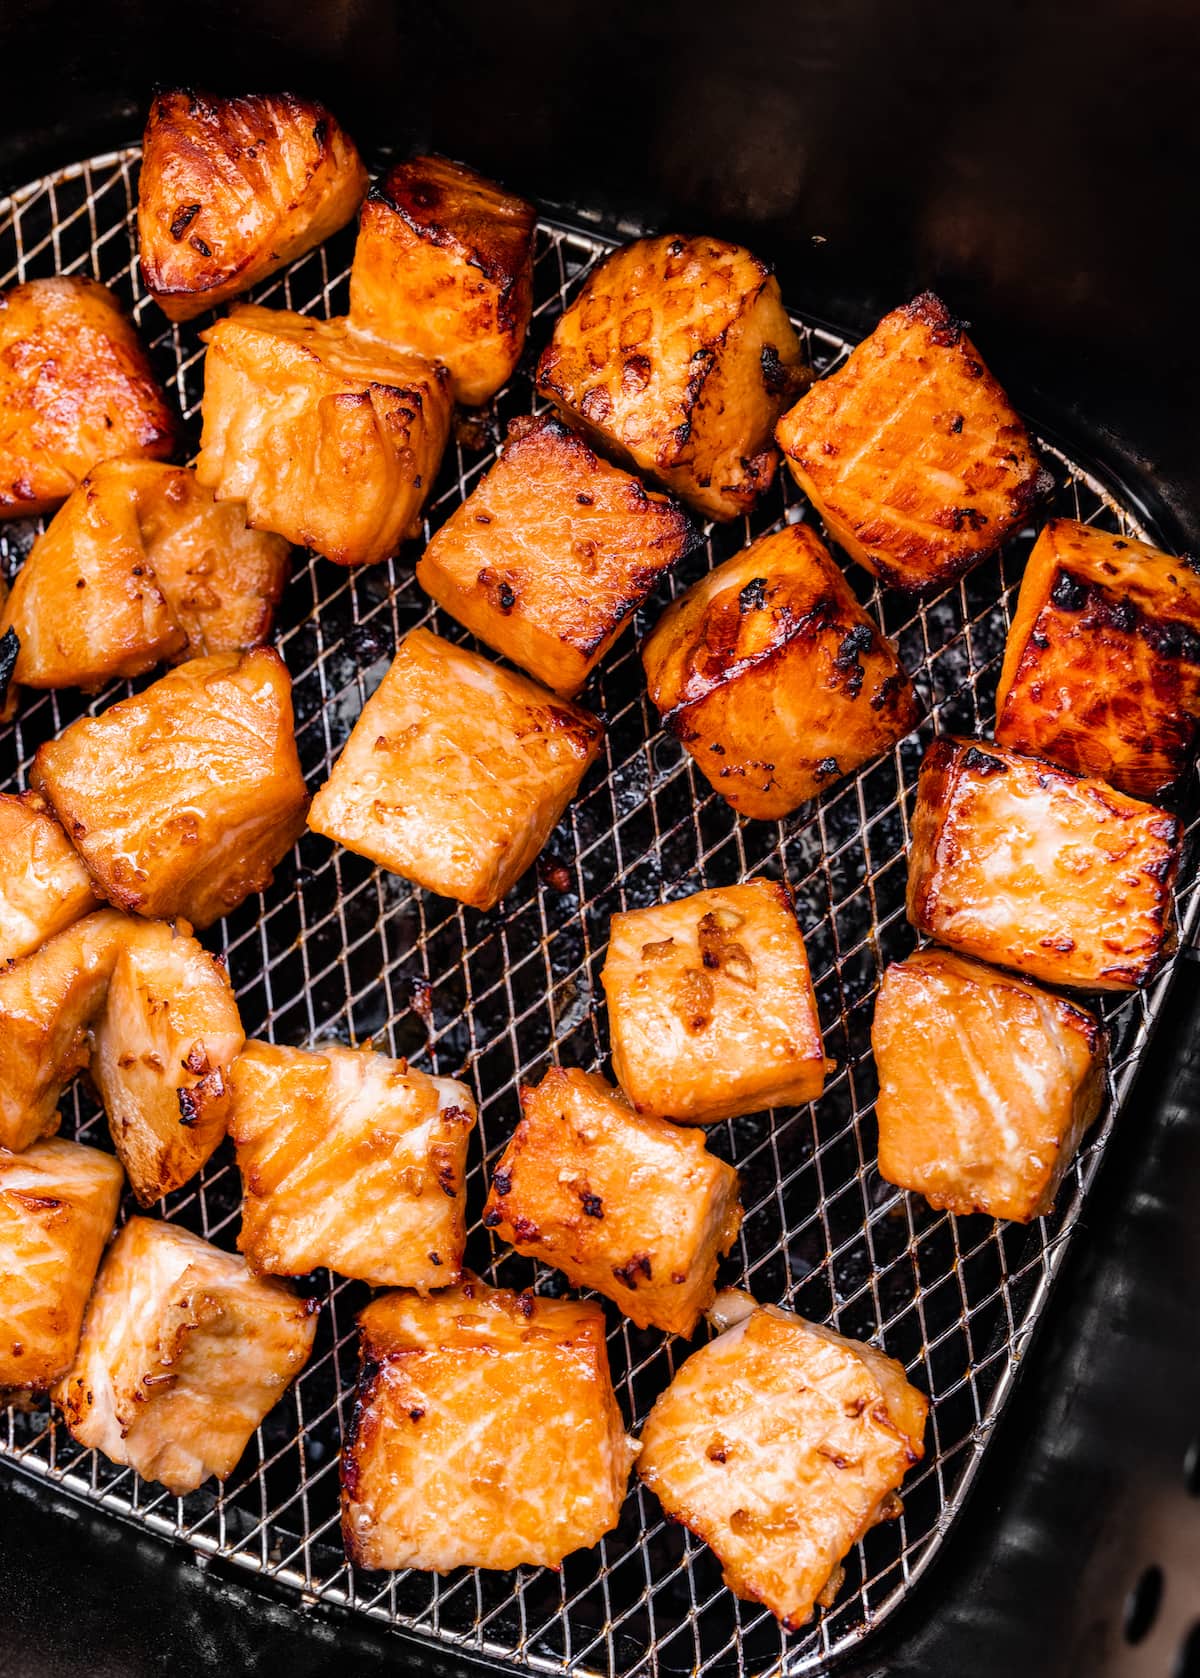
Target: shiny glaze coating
[[43, 885]]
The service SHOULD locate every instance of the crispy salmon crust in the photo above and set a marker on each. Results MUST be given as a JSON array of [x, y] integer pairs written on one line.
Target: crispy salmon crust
[[1102, 665], [678, 356], [444, 267], [43, 885], [911, 452], [987, 1085], [1021, 864], [233, 189], [76, 388], [774, 678]]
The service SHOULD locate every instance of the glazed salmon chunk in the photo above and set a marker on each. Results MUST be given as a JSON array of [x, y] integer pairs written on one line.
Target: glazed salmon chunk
[[330, 438], [550, 556], [1102, 666], [987, 1085], [182, 1355], [711, 1008], [444, 267], [485, 1432], [781, 1444], [352, 1160], [76, 387], [456, 772], [1023, 865], [183, 799], [678, 356], [231, 190], [774, 678], [43, 885], [912, 453], [629, 1205], [58, 1204]]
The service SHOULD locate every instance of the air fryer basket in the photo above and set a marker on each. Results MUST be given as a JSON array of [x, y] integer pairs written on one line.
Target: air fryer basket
[[338, 948]]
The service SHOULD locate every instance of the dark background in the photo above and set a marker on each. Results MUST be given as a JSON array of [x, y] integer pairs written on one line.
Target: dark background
[[1039, 165]]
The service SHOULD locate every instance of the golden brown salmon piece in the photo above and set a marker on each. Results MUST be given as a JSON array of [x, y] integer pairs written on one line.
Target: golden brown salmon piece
[[444, 267], [75, 388], [183, 1353], [1102, 667], [233, 189], [47, 1003], [331, 438], [353, 1161], [711, 1007], [58, 1203], [551, 555], [43, 885], [987, 1085], [485, 1432], [774, 678], [1018, 863], [781, 1444], [183, 799], [631, 1206], [911, 452], [679, 356], [455, 772], [163, 1052]]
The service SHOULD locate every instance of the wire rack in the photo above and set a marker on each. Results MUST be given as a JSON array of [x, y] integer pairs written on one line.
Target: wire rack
[[339, 949]]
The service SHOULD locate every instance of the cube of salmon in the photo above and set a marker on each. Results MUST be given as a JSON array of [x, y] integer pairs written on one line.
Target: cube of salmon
[[774, 678], [58, 1204], [987, 1085], [631, 1206], [1102, 667], [76, 387], [456, 772], [164, 1047], [711, 1008], [43, 885], [183, 799], [781, 1444], [183, 1353], [444, 267], [1021, 864], [679, 356], [912, 453], [330, 438], [231, 190], [550, 556], [353, 1161], [485, 1433], [47, 1004]]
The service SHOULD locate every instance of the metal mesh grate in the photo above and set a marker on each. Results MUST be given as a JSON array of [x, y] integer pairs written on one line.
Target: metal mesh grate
[[337, 948]]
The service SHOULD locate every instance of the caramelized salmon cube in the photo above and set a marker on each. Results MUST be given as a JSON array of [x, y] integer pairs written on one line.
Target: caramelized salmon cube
[[233, 189], [58, 1204], [455, 772], [164, 1047], [444, 267], [781, 1444], [1021, 864], [711, 1008], [1102, 667], [551, 555], [485, 1433], [182, 1355], [987, 1085], [774, 678], [353, 1161], [183, 799], [75, 388], [912, 453], [329, 437], [43, 885], [679, 357], [631, 1206]]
